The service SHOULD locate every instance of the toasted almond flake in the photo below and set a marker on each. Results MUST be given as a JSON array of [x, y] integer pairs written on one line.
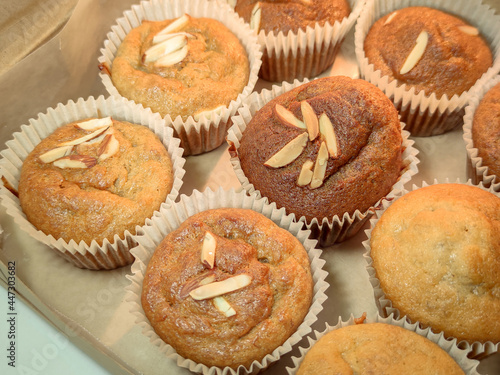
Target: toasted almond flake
[[326, 129], [320, 167], [206, 277], [85, 138], [390, 18], [109, 147], [287, 117], [55, 154], [219, 288], [289, 152], [162, 38], [208, 250], [223, 306], [255, 17], [176, 25], [165, 48], [416, 53], [207, 280], [75, 161], [310, 119], [469, 30], [94, 124], [173, 57], [197, 116], [306, 173]]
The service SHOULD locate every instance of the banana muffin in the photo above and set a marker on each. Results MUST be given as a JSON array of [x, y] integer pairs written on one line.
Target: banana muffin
[[91, 180], [227, 287]]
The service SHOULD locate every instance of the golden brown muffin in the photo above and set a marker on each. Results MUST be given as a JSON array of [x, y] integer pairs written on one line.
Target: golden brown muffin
[[85, 196], [365, 131], [376, 348], [486, 130], [454, 57], [436, 252], [286, 15], [265, 312], [212, 73]]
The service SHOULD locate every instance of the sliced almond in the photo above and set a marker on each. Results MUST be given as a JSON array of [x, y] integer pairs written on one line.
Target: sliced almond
[[55, 154], [201, 279], [108, 147], [469, 30], [208, 250], [176, 25], [326, 129], [161, 38], [223, 306], [164, 48], [75, 161], [416, 53], [306, 173], [219, 288], [287, 117], [173, 57], [390, 18], [85, 138], [94, 124], [289, 152], [310, 119], [320, 167], [207, 280], [255, 17]]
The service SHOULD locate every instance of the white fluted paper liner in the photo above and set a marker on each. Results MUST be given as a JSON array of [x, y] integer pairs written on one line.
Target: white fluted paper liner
[[427, 115], [170, 219], [328, 230], [208, 132], [475, 349], [476, 171], [304, 54], [111, 254], [469, 366]]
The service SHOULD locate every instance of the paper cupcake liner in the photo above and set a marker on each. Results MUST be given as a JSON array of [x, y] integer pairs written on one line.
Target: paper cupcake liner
[[327, 230], [476, 350], [475, 169], [169, 220], [304, 54], [469, 366], [207, 133], [92, 256], [426, 115]]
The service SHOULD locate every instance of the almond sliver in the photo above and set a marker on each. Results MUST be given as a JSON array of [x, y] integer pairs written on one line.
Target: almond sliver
[[416, 53], [173, 57], [175, 25], [219, 288]]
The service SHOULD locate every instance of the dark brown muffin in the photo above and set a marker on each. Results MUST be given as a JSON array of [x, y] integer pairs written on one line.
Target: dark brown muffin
[[286, 15], [367, 162], [257, 317], [454, 57]]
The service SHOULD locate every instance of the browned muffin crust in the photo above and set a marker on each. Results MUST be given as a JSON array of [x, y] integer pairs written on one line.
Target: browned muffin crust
[[452, 62], [486, 130], [113, 196], [292, 15], [214, 72], [268, 310], [369, 140]]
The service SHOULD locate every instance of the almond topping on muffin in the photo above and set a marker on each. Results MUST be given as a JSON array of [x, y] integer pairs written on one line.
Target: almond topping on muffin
[[223, 306], [469, 30], [310, 119], [416, 53], [320, 167], [220, 288], [201, 279], [55, 153], [75, 161], [95, 123], [178, 24], [390, 18], [306, 173], [289, 152], [108, 147], [327, 131], [287, 117], [208, 250], [255, 18]]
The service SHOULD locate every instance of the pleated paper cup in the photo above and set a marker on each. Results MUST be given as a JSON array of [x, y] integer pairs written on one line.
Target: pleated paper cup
[[169, 220], [198, 134], [426, 114], [475, 168], [327, 230], [109, 255], [476, 350], [469, 366]]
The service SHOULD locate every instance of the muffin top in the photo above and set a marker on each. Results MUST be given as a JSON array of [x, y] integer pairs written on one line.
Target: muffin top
[[376, 348], [486, 130], [436, 252], [291, 15], [325, 148], [181, 67], [429, 50], [100, 186], [233, 326]]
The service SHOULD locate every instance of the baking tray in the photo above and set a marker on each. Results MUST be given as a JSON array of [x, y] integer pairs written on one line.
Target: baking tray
[[89, 307]]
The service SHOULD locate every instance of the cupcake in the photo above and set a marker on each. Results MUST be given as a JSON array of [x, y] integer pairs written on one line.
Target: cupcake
[[300, 38], [187, 60], [381, 346], [227, 281], [482, 134], [427, 60], [327, 151], [435, 259], [83, 183]]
